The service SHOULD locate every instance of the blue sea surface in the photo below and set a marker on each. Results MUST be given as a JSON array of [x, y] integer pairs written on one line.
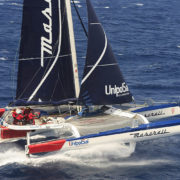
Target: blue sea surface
[[145, 37]]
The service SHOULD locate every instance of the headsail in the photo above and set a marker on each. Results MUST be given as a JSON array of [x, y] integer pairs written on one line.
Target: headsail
[[102, 81], [46, 72]]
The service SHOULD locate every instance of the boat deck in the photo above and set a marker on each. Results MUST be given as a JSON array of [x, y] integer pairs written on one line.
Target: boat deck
[[100, 123]]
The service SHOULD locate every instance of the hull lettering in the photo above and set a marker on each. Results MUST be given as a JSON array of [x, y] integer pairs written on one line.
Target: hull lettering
[[151, 133]]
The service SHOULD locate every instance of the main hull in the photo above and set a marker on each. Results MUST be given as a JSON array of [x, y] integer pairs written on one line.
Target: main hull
[[114, 125], [125, 135]]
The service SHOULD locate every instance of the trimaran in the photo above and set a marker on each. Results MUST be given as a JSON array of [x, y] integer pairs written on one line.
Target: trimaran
[[76, 115]]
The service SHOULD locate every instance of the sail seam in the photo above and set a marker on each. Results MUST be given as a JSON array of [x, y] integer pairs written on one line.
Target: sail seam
[[98, 61], [114, 64], [24, 59], [50, 69]]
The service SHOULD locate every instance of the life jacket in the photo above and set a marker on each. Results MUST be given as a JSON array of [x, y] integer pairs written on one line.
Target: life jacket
[[14, 114], [31, 116], [19, 117]]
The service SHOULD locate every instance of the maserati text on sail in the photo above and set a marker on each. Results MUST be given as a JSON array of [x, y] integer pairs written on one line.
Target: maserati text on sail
[[46, 42]]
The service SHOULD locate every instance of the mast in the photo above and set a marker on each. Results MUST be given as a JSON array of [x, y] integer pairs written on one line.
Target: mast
[[72, 46]]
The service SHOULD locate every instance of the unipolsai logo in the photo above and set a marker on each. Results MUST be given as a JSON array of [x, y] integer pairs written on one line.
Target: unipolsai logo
[[46, 42], [118, 91], [79, 142]]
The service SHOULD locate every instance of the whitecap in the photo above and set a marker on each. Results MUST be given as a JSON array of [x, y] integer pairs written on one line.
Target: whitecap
[[120, 54], [76, 2], [79, 6], [139, 4], [107, 7], [2, 59], [178, 46]]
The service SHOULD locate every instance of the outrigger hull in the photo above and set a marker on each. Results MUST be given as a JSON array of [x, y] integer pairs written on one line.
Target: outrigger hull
[[159, 111], [124, 135]]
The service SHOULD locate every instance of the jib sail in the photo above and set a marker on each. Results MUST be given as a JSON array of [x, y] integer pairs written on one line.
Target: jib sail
[[102, 81]]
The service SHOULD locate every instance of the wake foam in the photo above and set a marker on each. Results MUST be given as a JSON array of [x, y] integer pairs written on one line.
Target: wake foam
[[13, 155], [100, 156]]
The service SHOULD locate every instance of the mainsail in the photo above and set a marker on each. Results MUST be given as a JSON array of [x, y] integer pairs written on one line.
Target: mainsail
[[46, 72], [102, 81]]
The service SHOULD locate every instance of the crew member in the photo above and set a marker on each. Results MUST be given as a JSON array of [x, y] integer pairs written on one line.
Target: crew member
[[14, 115], [19, 116], [26, 112], [31, 117]]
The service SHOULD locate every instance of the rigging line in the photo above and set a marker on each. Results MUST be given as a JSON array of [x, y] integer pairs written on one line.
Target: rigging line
[[29, 83], [82, 24], [54, 89], [13, 72]]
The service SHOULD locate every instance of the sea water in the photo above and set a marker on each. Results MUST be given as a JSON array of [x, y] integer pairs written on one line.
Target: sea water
[[145, 37]]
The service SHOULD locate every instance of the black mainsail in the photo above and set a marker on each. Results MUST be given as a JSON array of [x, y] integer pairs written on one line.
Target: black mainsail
[[45, 73], [102, 82]]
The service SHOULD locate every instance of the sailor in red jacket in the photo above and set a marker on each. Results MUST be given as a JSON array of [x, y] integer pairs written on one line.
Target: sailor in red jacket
[[31, 118], [14, 114], [18, 116]]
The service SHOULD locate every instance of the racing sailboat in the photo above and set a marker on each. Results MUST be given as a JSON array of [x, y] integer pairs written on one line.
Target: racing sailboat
[[48, 75]]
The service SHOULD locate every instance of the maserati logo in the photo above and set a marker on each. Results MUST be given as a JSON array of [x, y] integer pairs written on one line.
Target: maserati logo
[[46, 42], [151, 133]]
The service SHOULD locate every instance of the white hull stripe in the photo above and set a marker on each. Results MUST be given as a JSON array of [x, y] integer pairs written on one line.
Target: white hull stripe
[[100, 58], [57, 56]]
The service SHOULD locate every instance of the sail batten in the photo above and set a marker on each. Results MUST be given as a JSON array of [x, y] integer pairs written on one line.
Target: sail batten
[[46, 69], [50, 57], [102, 81]]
